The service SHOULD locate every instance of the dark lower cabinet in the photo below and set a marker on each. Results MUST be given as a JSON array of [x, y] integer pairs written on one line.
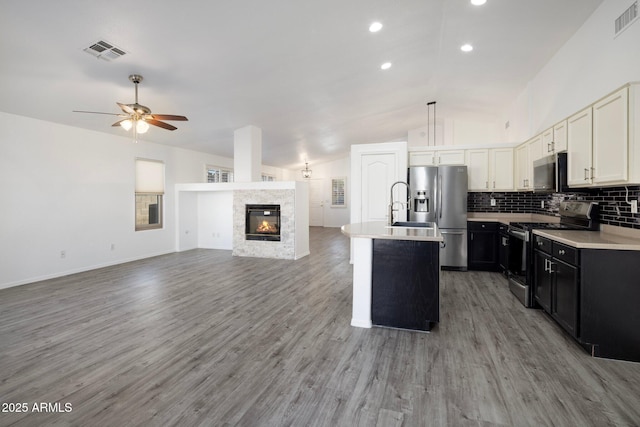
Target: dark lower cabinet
[[543, 279], [565, 296], [610, 303], [482, 246], [593, 294], [556, 282], [405, 284]]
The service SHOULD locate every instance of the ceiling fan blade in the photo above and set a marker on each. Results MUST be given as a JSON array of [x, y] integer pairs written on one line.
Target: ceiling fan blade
[[97, 112], [118, 122], [126, 108], [168, 117], [160, 124]]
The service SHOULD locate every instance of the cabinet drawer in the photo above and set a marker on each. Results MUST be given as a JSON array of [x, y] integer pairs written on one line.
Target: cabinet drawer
[[482, 226], [565, 253], [542, 244]]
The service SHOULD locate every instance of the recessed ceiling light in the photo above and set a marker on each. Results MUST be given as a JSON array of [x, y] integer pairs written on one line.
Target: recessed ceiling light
[[386, 65], [478, 2], [375, 27], [466, 47]]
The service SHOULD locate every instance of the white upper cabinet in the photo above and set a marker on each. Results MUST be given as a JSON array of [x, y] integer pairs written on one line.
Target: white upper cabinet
[[478, 169], [501, 168], [490, 169], [522, 171], [547, 141], [436, 157], [554, 139], [526, 154], [451, 157], [610, 139], [560, 137], [536, 151], [602, 141], [422, 158], [579, 142]]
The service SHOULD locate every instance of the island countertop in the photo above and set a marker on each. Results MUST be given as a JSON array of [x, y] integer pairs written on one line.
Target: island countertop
[[380, 230]]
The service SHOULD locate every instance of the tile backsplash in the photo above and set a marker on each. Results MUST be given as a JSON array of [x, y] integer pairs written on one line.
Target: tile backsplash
[[614, 210]]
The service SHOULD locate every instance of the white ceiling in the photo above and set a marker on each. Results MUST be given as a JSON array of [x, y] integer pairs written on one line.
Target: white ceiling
[[305, 71]]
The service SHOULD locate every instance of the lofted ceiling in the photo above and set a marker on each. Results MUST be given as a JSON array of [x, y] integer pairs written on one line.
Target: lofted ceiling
[[306, 72]]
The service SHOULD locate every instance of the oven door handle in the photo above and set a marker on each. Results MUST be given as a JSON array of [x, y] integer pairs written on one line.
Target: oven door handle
[[522, 235]]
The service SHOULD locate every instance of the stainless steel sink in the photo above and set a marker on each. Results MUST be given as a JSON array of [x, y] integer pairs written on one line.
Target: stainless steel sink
[[412, 224]]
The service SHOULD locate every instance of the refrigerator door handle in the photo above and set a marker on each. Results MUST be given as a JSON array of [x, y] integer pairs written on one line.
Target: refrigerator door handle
[[440, 196]]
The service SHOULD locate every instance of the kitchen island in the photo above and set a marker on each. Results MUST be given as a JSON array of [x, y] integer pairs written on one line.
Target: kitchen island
[[396, 275]]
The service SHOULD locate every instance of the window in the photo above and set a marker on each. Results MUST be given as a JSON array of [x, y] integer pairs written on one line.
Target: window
[[338, 199], [149, 192], [267, 177], [218, 174]]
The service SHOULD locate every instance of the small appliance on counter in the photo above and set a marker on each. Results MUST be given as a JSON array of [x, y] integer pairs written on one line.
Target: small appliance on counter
[[574, 215], [439, 195]]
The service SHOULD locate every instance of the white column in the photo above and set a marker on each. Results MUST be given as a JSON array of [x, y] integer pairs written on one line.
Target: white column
[[247, 154], [362, 261]]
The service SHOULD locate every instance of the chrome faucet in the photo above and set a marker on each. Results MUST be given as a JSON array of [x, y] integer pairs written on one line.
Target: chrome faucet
[[392, 203]]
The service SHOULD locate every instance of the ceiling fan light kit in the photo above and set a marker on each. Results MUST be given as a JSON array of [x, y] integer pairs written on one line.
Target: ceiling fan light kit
[[138, 117]]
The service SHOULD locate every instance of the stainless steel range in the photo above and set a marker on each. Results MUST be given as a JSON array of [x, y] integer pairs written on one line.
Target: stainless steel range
[[574, 215]]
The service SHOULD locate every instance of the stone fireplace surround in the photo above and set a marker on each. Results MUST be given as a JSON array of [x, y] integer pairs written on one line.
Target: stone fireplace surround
[[203, 210], [285, 248]]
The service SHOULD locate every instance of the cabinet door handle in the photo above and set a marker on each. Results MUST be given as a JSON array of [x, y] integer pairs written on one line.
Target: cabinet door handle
[[586, 174], [471, 236], [551, 264], [486, 184], [494, 184], [593, 172]]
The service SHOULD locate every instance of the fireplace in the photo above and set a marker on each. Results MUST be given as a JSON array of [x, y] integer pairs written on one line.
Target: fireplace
[[262, 222]]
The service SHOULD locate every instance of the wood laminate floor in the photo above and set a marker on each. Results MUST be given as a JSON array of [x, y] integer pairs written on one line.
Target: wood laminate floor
[[204, 338]]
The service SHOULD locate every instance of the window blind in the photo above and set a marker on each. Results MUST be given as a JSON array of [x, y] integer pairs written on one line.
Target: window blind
[[149, 176]]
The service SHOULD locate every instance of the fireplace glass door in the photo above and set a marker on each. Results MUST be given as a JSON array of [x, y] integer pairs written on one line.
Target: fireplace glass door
[[263, 222]]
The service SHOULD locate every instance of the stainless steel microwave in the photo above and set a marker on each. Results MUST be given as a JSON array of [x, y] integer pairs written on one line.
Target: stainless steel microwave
[[550, 174]]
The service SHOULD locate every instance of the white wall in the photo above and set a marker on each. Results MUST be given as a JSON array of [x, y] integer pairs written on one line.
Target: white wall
[[215, 220], [590, 65], [333, 217], [456, 132], [69, 189]]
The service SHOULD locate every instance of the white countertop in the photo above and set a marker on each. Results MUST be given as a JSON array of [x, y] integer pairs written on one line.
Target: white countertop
[[380, 230], [591, 239]]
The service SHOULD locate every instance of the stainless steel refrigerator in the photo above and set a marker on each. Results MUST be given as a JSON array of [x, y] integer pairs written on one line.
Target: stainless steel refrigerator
[[439, 195]]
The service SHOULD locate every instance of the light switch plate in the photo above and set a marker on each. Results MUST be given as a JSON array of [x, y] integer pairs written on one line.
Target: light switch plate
[[493, 202], [634, 206]]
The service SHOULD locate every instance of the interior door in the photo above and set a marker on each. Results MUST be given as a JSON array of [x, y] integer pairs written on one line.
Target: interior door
[[316, 203], [378, 175]]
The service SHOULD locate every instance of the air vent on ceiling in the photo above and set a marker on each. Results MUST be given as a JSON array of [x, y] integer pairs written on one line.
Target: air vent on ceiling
[[627, 18], [104, 50]]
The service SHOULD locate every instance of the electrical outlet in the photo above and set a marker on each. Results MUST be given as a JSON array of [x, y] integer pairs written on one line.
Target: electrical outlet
[[542, 204], [634, 206], [493, 202]]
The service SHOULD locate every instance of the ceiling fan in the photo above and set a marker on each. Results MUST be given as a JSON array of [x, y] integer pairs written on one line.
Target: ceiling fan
[[138, 116]]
